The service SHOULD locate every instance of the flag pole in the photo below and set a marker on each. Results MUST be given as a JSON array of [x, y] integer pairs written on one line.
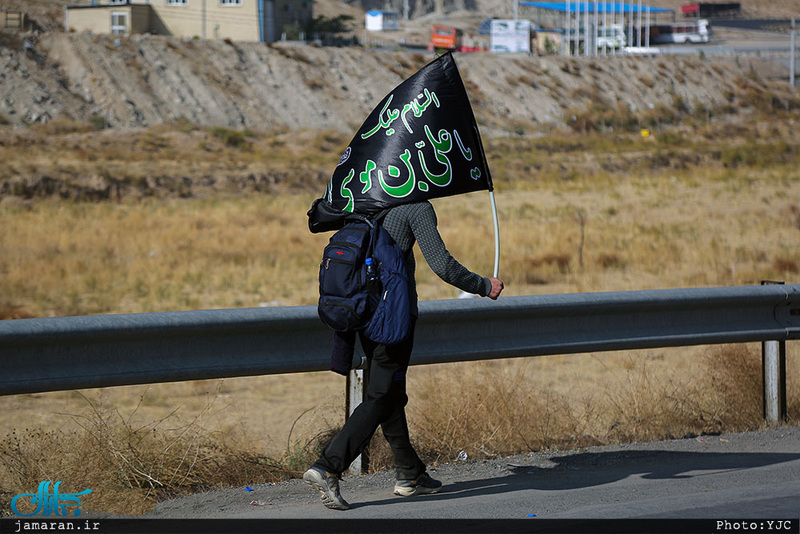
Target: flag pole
[[496, 234]]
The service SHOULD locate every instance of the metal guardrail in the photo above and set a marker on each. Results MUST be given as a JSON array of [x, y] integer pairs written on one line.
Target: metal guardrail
[[51, 354], [38, 355]]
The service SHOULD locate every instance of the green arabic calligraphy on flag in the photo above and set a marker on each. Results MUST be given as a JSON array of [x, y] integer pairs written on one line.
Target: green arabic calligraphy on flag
[[420, 142]]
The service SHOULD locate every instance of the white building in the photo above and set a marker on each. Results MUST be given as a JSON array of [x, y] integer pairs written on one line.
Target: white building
[[382, 20]]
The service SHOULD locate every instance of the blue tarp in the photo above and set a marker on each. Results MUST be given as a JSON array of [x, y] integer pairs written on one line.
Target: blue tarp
[[602, 7]]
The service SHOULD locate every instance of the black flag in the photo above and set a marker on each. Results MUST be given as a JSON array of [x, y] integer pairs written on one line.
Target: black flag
[[420, 142]]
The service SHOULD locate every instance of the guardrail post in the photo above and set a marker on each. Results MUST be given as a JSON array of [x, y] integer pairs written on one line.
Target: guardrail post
[[773, 362], [357, 381], [773, 358]]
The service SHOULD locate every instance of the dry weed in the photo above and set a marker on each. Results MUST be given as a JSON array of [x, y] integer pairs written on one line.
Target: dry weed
[[128, 465], [648, 406], [734, 390], [488, 409]]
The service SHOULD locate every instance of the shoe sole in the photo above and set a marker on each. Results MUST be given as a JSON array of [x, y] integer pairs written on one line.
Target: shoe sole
[[314, 479], [410, 492]]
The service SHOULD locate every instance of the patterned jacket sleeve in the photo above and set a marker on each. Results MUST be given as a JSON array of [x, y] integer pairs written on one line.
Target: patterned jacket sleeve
[[424, 226]]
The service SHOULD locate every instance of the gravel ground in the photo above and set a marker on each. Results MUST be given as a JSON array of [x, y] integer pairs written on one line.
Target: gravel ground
[[630, 480]]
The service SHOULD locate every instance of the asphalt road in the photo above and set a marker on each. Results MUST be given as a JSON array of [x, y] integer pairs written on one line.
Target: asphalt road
[[769, 25], [753, 475], [761, 40], [737, 38]]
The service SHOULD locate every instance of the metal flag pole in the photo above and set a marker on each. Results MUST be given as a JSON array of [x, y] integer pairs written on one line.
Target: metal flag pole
[[496, 234]]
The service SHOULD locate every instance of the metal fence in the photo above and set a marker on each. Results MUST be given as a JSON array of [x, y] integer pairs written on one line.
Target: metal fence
[[52, 354]]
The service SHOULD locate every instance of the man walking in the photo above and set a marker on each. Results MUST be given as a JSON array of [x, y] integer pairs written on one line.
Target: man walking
[[386, 392]]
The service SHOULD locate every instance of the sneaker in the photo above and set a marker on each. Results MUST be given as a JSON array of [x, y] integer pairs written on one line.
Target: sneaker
[[423, 484], [327, 485]]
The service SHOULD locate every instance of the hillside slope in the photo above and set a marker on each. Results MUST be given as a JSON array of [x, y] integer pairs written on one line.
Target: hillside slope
[[143, 81]]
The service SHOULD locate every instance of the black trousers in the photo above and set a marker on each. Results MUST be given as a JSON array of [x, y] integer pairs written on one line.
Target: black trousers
[[384, 406]]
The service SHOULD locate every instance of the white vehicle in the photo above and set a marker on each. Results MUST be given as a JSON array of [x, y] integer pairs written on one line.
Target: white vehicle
[[611, 37], [641, 51], [681, 32]]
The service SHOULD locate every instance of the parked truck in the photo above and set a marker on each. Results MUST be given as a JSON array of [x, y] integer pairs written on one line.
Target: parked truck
[[445, 38], [681, 32]]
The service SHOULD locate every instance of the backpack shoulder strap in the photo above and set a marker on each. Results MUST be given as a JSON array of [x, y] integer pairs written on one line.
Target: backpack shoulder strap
[[378, 220], [380, 215], [358, 217], [374, 222]]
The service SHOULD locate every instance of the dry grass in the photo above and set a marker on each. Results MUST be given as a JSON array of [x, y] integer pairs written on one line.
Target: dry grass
[[513, 406], [578, 213], [103, 258], [653, 231], [489, 409], [128, 464]]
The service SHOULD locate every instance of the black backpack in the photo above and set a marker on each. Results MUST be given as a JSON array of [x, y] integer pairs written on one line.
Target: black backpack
[[363, 282]]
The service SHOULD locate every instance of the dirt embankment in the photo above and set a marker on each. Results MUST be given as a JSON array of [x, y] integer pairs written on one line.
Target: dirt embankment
[[127, 86], [143, 81], [140, 82]]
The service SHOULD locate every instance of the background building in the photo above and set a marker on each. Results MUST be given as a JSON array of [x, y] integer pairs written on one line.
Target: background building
[[241, 20]]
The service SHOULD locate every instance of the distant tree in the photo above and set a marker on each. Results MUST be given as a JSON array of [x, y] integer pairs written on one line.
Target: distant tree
[[338, 24]]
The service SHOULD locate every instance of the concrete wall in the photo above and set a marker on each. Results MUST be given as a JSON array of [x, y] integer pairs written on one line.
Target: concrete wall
[[140, 19], [209, 19], [96, 19]]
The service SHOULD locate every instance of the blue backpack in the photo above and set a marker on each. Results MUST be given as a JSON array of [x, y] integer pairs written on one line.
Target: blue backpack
[[363, 283]]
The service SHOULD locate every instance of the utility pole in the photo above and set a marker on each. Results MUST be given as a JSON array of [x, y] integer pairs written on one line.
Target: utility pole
[[639, 24], [586, 41], [594, 29], [567, 29], [204, 20], [792, 51]]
